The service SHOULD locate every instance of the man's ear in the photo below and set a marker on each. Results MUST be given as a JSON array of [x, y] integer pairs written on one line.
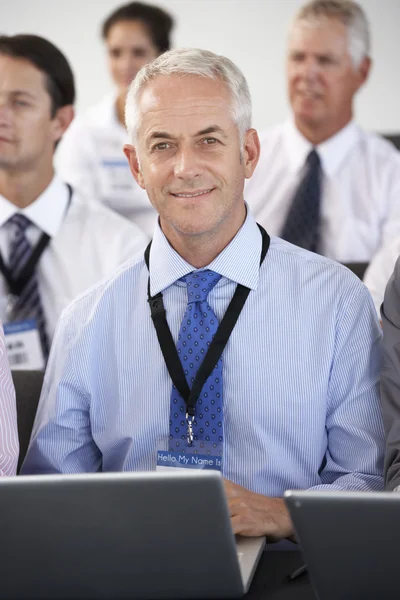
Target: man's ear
[[251, 152], [131, 155], [62, 120], [363, 71]]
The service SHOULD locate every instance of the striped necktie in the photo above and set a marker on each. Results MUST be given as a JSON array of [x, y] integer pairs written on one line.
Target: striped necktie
[[303, 220], [28, 304]]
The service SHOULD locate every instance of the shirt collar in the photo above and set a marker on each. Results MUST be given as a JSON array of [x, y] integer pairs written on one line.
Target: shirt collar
[[239, 261], [332, 152], [46, 212]]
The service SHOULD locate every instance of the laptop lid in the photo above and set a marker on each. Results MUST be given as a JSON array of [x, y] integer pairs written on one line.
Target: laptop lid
[[350, 542], [249, 550], [125, 535]]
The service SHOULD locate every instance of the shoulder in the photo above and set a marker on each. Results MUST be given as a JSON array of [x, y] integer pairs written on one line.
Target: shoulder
[[99, 302], [100, 221], [314, 275], [93, 117], [99, 112], [298, 258], [380, 148]]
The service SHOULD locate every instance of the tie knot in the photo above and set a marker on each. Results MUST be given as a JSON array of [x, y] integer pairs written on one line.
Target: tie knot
[[313, 159], [20, 221], [200, 284]]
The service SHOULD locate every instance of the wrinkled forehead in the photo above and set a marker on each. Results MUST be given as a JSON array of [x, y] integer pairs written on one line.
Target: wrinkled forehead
[[166, 92], [182, 101]]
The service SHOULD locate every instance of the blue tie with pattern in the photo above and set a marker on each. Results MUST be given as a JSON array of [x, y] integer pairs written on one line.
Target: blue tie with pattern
[[303, 220], [195, 335], [28, 304]]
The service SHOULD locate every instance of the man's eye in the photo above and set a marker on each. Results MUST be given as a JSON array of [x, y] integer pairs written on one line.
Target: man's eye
[[325, 60], [20, 103], [162, 146], [297, 57], [139, 52], [210, 140]]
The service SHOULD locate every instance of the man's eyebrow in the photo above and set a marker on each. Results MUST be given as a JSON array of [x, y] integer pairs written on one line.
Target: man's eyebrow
[[156, 135], [211, 129], [22, 93], [164, 135]]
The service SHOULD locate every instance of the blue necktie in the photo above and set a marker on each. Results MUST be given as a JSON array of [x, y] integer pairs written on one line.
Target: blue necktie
[[302, 222], [28, 304], [195, 335]]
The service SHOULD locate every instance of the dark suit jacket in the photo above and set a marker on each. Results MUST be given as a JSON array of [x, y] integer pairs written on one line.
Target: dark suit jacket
[[390, 379]]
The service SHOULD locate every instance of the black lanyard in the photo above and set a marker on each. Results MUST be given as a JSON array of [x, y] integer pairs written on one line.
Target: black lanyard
[[17, 284], [214, 352]]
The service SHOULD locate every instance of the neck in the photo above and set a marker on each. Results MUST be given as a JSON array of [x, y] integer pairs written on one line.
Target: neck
[[201, 249], [318, 135], [24, 188]]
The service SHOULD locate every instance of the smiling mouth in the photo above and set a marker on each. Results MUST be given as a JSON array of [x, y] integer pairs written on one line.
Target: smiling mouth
[[308, 95], [192, 194]]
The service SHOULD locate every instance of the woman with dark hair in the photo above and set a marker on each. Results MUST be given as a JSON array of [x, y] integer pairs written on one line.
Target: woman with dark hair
[[90, 156]]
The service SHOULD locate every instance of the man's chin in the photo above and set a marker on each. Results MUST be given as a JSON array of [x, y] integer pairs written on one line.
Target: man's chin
[[192, 227], [308, 117], [194, 230]]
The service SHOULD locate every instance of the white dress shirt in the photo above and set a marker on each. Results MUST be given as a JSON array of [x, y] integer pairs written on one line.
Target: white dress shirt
[[88, 242], [91, 159], [380, 270], [360, 204]]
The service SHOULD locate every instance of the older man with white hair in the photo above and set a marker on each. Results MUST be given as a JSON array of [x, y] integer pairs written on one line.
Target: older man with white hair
[[220, 346], [322, 182]]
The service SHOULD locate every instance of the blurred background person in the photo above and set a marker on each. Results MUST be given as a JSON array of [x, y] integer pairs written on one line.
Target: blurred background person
[[90, 156], [53, 244], [322, 182], [381, 268], [9, 445]]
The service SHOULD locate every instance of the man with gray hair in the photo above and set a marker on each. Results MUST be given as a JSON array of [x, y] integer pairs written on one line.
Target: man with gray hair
[[322, 182], [219, 347]]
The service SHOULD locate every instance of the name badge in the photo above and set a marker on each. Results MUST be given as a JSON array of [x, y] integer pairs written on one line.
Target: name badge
[[23, 345], [167, 459]]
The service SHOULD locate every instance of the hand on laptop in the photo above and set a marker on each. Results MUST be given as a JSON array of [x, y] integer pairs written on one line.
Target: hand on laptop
[[255, 515]]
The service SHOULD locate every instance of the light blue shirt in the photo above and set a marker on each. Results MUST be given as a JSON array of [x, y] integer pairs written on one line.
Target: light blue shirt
[[300, 371]]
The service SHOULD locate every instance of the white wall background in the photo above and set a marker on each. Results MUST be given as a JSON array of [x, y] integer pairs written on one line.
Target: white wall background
[[250, 32]]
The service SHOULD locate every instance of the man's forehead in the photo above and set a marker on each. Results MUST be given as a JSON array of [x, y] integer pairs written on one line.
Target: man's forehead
[[167, 92], [20, 73], [324, 32]]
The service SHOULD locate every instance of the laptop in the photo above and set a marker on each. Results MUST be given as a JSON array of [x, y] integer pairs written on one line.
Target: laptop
[[350, 542], [121, 535]]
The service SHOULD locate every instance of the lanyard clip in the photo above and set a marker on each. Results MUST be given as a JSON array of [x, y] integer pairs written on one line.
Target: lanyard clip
[[189, 435]]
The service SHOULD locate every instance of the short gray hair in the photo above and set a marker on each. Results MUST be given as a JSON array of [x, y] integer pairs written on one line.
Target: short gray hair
[[200, 63], [347, 12]]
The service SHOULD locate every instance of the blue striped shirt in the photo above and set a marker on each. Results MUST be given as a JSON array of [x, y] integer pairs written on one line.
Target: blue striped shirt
[[301, 371]]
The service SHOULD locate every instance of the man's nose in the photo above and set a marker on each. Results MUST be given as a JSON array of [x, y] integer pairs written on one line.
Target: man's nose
[[187, 164], [310, 69], [5, 112]]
